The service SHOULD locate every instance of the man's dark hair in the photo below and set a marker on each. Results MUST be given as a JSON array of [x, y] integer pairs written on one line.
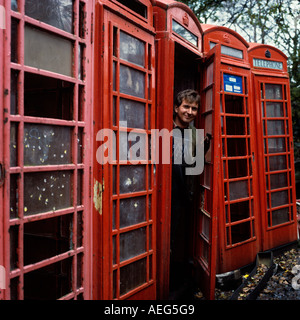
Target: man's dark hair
[[189, 95]]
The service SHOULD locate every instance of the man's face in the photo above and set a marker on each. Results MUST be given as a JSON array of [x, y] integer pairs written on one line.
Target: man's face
[[185, 113]]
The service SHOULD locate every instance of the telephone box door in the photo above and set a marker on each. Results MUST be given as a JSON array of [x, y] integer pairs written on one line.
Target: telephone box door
[[206, 216], [128, 176]]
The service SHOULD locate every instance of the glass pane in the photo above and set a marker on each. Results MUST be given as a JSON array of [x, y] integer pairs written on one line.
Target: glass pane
[[46, 144], [47, 238], [14, 5], [278, 180], [235, 125], [132, 211], [184, 33], [232, 52], [240, 232], [47, 191], [276, 145], [48, 51], [237, 168], [132, 49], [14, 195], [236, 147], [48, 97], [277, 163], [280, 216], [273, 91], [133, 275], [274, 109], [279, 198], [275, 127], [132, 243], [14, 92], [234, 104], [132, 82], [239, 211], [57, 278], [56, 13], [132, 178], [238, 189], [209, 75], [13, 144], [14, 245], [133, 112], [14, 40], [205, 226], [208, 99]]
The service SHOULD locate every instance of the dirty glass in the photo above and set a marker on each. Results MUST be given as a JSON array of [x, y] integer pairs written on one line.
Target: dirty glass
[[277, 163], [14, 195], [47, 51], [56, 13], [274, 109], [279, 198], [278, 180], [273, 91], [14, 245], [14, 40], [238, 189], [132, 178], [132, 49], [14, 92], [47, 238], [132, 146], [133, 112], [46, 144], [280, 216], [132, 211], [133, 275], [275, 127], [56, 277], [13, 144], [47, 191], [132, 243], [276, 145], [132, 82], [208, 99]]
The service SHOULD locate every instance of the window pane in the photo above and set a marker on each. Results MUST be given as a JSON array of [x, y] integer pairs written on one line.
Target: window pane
[[132, 211], [132, 49], [276, 145], [132, 178], [274, 109], [56, 13], [48, 51], [132, 82], [46, 144], [278, 180], [132, 243], [133, 112], [280, 216], [273, 91], [277, 163], [14, 40], [279, 198], [238, 189], [275, 127], [47, 191], [133, 275]]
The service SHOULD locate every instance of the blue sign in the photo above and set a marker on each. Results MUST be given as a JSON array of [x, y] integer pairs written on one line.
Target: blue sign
[[233, 84]]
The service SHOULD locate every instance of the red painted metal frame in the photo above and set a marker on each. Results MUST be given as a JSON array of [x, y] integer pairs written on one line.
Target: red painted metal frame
[[164, 12], [230, 255], [112, 17], [21, 119], [283, 233]]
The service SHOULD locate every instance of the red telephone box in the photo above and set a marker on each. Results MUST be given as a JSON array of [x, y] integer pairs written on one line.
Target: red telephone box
[[234, 129], [124, 185], [178, 53], [275, 146]]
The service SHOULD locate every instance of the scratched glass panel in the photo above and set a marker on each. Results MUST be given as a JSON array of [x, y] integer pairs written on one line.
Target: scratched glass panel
[[274, 109], [47, 191], [56, 13], [132, 211], [132, 49], [275, 127], [47, 238], [132, 243], [133, 112], [133, 275], [44, 50], [132, 178], [238, 189], [273, 91], [46, 144], [132, 82]]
